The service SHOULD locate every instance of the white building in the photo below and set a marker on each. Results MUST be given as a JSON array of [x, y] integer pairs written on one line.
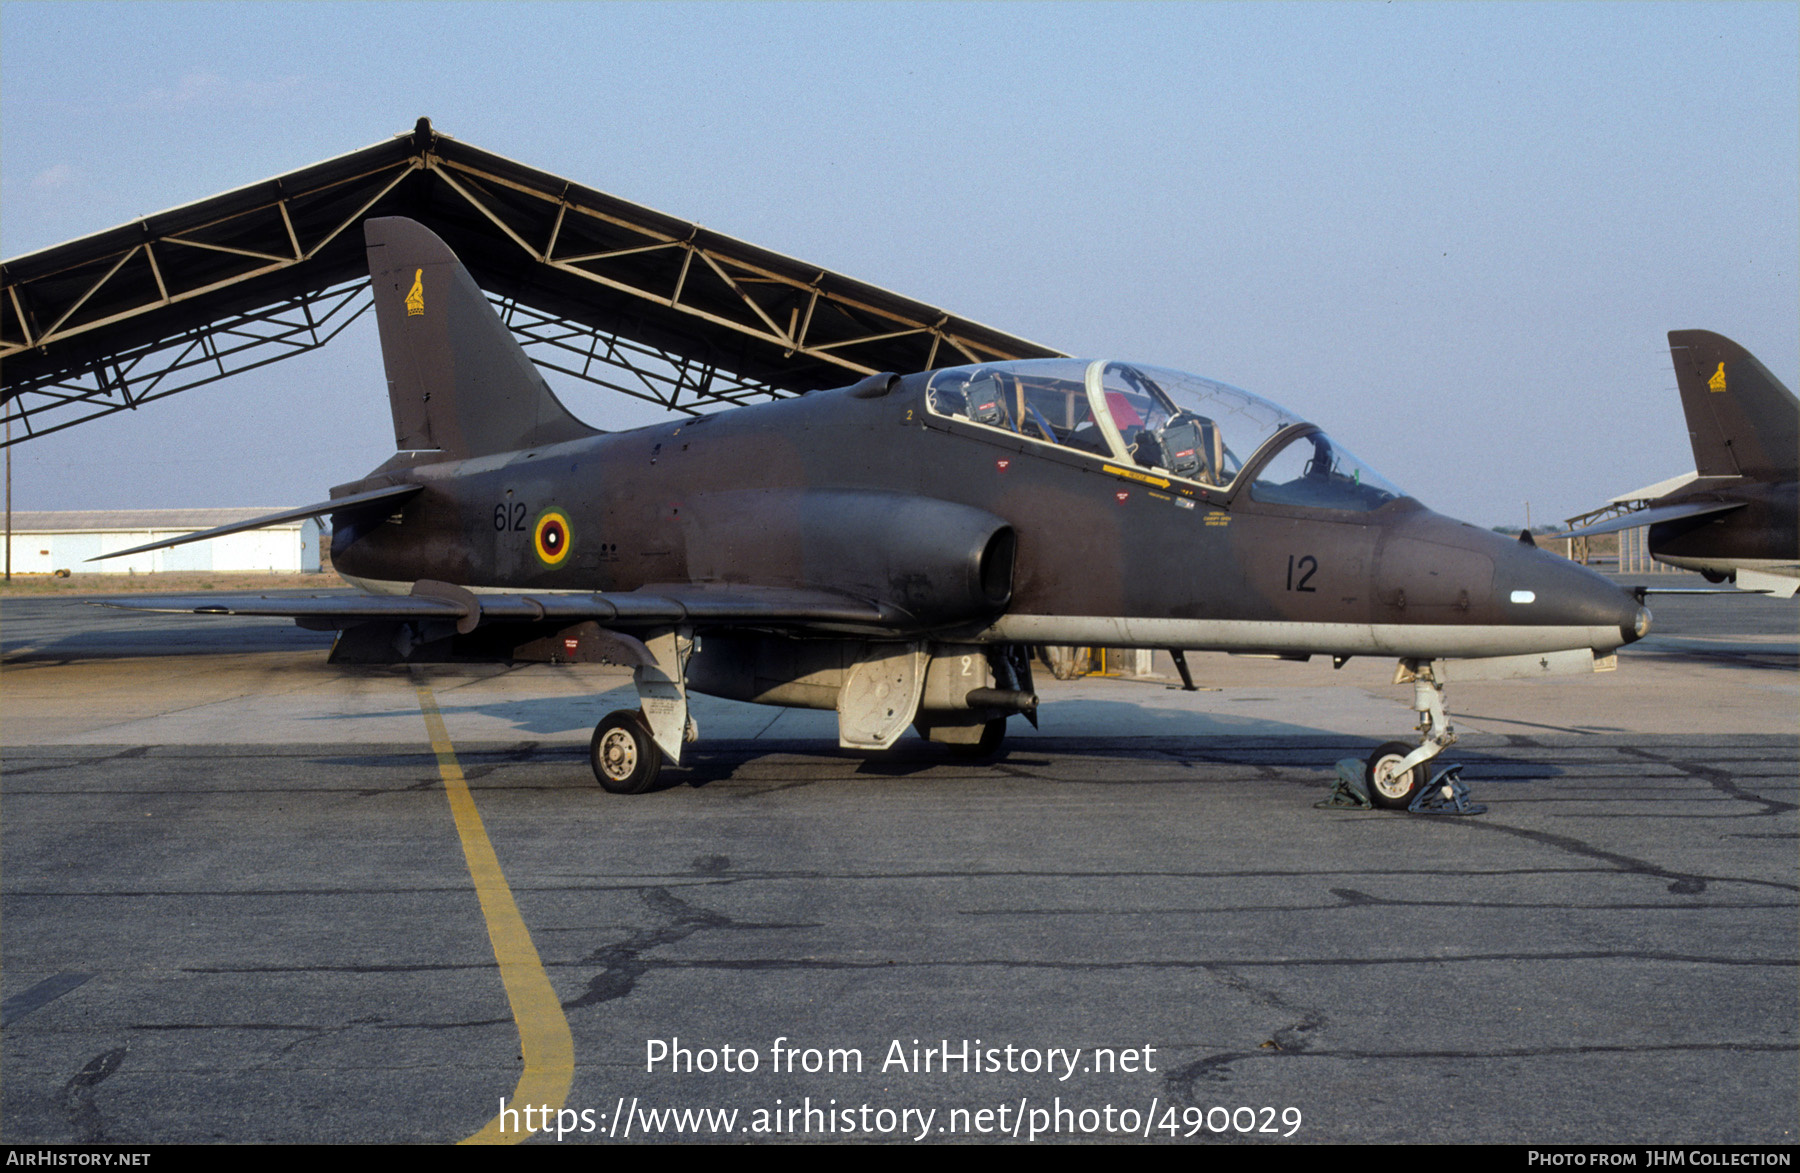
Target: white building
[[43, 543]]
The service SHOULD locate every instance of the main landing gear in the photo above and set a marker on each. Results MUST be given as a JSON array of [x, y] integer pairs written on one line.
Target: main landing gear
[[993, 735], [1396, 772], [625, 757], [628, 746]]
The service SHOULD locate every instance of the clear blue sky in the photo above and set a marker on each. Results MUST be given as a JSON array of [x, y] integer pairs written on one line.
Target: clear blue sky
[[1456, 235]]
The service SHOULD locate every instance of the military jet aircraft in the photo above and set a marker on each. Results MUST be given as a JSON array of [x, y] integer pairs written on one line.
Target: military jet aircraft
[[1739, 516], [891, 550]]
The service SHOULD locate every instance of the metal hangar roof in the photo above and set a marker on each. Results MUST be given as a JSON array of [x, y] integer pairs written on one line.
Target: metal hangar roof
[[647, 304]]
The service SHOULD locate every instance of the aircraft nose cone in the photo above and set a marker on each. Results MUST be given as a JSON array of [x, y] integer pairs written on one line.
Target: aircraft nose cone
[[1538, 587]]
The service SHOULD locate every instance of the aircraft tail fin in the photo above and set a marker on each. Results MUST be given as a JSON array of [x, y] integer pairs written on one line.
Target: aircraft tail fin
[[1742, 420], [458, 381]]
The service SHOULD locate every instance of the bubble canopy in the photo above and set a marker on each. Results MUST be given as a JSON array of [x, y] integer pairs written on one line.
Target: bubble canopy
[[1170, 422]]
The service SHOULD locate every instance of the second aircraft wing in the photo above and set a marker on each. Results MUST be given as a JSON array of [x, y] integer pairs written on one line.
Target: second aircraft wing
[[656, 605]]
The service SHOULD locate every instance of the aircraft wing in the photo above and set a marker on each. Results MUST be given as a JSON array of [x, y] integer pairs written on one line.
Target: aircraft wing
[[1640, 593], [1652, 516], [650, 606]]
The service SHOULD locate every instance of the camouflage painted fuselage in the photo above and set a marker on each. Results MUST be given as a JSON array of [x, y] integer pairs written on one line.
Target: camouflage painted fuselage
[[818, 491]]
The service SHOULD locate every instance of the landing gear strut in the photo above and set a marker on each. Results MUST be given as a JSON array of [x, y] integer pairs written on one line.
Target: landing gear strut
[[629, 745], [1396, 772]]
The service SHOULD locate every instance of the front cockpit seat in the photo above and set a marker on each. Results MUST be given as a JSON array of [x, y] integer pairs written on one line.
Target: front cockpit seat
[[945, 401], [1181, 446], [987, 402], [1146, 449], [1195, 449]]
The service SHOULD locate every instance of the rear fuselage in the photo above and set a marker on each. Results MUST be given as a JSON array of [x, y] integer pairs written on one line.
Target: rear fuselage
[[1764, 534]]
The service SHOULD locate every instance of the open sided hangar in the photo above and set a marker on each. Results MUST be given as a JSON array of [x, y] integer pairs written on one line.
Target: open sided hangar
[[645, 304]]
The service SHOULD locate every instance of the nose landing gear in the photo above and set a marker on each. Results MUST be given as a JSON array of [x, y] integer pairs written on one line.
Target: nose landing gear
[[1396, 772], [1390, 787]]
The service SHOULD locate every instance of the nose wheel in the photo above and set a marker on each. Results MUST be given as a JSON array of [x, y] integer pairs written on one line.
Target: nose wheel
[[1397, 772], [1390, 786], [624, 756]]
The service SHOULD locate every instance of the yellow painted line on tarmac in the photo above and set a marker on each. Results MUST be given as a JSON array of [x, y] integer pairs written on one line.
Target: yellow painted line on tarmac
[[544, 1040]]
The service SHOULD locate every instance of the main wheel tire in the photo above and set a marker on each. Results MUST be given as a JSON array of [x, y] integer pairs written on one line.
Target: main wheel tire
[[1389, 789], [624, 755], [993, 735]]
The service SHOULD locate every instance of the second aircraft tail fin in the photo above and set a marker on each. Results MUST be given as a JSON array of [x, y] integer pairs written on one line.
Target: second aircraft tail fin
[[1743, 421], [458, 381]]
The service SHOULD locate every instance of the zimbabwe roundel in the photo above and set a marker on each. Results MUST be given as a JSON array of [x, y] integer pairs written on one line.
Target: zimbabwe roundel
[[552, 538]]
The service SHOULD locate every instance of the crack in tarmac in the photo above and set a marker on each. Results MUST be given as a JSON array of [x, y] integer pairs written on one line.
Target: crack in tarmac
[[78, 1096], [1718, 779], [624, 963]]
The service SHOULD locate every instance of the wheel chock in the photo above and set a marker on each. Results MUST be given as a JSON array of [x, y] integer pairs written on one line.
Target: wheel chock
[[1445, 794], [1348, 790]]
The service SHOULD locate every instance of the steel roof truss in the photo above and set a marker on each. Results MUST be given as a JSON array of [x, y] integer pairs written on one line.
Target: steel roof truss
[[661, 376], [154, 371], [656, 327], [791, 342], [356, 216], [92, 289]]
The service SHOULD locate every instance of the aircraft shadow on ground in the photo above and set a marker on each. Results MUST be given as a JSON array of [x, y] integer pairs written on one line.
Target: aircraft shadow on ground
[[1147, 733], [129, 636], [1104, 723], [913, 758], [1741, 655]]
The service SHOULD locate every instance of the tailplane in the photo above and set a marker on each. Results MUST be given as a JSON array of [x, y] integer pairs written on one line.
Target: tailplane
[[1743, 421], [458, 381]]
